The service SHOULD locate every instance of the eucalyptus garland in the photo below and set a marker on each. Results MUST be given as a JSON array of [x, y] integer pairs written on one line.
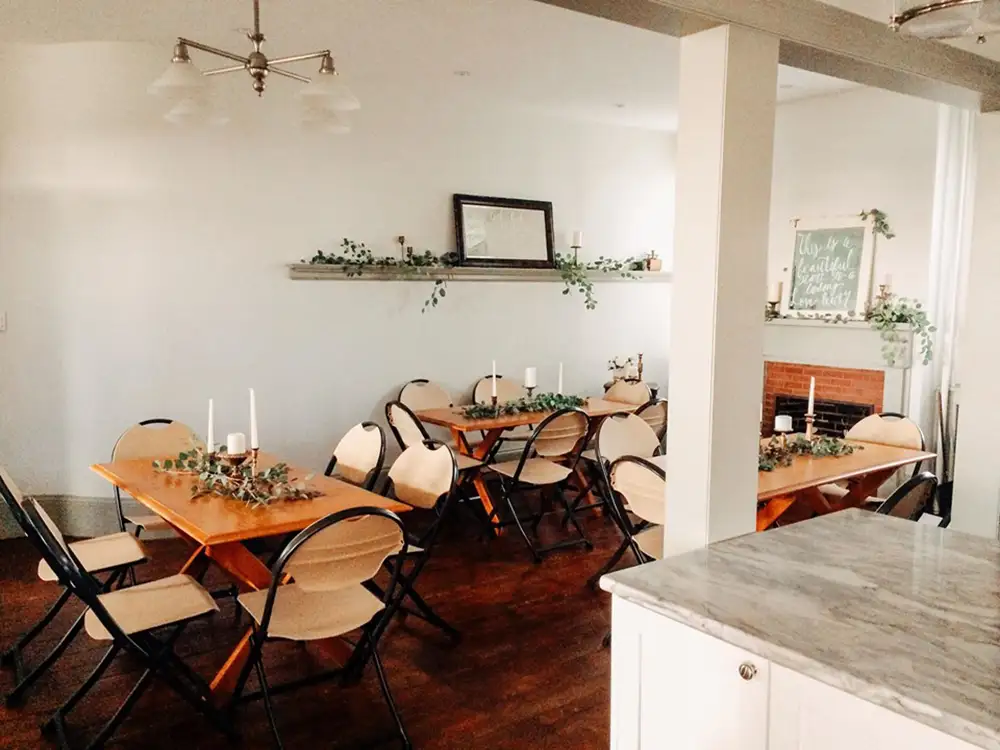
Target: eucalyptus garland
[[777, 452], [215, 476], [575, 274], [543, 402]]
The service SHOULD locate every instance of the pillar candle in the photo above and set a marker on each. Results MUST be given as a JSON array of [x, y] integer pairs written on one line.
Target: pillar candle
[[236, 443], [577, 239], [493, 380], [254, 441], [210, 442], [783, 423], [560, 378], [530, 377], [774, 291], [887, 280], [812, 396]]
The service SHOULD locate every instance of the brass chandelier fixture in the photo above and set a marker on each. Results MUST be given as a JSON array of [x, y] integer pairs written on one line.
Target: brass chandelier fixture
[[947, 19], [324, 96]]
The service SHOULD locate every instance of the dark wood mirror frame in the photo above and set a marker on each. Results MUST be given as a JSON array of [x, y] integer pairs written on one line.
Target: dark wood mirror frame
[[545, 207]]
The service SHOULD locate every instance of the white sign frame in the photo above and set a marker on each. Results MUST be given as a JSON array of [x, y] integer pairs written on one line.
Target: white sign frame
[[866, 270]]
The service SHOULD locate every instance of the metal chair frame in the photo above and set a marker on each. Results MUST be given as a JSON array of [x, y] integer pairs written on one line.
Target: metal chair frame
[[556, 492], [122, 521], [923, 438], [365, 649], [662, 432], [156, 654], [376, 471], [14, 654], [904, 489], [625, 524]]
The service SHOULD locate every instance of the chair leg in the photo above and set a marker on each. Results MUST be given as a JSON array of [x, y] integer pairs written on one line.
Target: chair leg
[[123, 711], [610, 564], [535, 557], [266, 692], [560, 494], [13, 655], [64, 710], [17, 694], [425, 611], [606, 643], [384, 685]]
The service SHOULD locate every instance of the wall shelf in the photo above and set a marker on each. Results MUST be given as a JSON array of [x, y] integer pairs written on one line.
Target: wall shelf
[[307, 272]]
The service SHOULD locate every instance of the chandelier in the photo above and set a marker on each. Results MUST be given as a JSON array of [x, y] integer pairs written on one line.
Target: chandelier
[[323, 97], [947, 19]]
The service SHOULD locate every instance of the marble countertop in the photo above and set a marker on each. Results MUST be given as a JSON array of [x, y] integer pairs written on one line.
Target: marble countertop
[[901, 614]]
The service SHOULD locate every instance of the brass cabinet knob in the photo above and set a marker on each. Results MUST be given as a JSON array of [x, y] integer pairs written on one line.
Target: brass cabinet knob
[[748, 671]]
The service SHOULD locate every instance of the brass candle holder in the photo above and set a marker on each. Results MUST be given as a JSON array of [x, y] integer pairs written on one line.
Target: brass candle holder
[[254, 455], [810, 421], [530, 389], [772, 309]]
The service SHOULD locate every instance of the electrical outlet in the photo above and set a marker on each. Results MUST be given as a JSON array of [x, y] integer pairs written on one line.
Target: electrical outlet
[[3, 321]]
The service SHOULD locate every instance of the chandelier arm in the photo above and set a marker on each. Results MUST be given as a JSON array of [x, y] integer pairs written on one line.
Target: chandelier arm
[[213, 50], [220, 71], [299, 58], [286, 73], [901, 19]]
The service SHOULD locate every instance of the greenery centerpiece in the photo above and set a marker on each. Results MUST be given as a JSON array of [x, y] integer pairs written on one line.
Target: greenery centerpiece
[[216, 474], [780, 452], [543, 402]]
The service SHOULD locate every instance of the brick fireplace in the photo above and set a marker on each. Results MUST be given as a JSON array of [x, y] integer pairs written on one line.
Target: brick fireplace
[[842, 393]]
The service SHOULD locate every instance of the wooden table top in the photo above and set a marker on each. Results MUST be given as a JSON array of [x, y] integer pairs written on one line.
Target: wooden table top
[[452, 416], [809, 471], [213, 519]]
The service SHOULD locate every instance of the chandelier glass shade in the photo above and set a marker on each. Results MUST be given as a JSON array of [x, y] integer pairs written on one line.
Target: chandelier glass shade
[[946, 19], [186, 86]]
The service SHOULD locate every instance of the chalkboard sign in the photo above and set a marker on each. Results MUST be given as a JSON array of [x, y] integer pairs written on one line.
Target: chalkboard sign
[[831, 268]]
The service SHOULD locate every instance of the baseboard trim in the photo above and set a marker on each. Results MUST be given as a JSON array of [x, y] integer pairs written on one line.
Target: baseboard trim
[[74, 515]]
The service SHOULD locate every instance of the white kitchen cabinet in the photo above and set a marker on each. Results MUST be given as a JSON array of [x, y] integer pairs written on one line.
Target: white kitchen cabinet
[[806, 714], [674, 688]]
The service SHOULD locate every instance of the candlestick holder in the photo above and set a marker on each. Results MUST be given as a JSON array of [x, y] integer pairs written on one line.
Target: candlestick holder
[[772, 310], [576, 253], [883, 293], [810, 421], [530, 389], [254, 454], [495, 404], [234, 460]]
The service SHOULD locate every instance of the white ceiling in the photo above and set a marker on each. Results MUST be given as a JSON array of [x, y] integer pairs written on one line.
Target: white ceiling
[[518, 53]]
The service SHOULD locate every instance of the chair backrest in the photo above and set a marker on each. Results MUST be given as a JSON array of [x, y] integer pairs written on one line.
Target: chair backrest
[[153, 438], [507, 390], [343, 549], [559, 434], [888, 429], [625, 392], [359, 455], [912, 498], [624, 434], [404, 425], [423, 394], [69, 570], [654, 412], [643, 485], [424, 474]]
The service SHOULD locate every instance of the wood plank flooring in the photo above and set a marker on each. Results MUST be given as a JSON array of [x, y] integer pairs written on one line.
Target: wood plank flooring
[[530, 672]]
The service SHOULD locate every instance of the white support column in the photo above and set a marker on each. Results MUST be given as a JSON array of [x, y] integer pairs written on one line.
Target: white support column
[[724, 165], [976, 503]]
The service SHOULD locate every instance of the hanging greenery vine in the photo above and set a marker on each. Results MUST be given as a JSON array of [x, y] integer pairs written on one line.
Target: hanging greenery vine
[[355, 259], [880, 222], [543, 402], [777, 452], [888, 313], [575, 274]]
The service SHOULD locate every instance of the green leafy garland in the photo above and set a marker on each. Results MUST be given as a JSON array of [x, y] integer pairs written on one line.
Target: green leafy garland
[[777, 453], [885, 316], [543, 402], [214, 476], [356, 258], [574, 273], [880, 222]]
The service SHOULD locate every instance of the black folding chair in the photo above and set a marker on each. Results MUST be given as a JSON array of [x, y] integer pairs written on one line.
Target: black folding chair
[[115, 565], [329, 562], [359, 456], [166, 605], [913, 498]]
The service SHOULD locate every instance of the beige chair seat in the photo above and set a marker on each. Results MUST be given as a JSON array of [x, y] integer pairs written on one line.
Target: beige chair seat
[[149, 523], [152, 605], [467, 462], [301, 615], [650, 541], [590, 455], [101, 553], [536, 471], [833, 491]]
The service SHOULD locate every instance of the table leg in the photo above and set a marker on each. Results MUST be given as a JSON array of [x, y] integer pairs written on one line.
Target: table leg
[[480, 452], [252, 575], [861, 489], [773, 510]]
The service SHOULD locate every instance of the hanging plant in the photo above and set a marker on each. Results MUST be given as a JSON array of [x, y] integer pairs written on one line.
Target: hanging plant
[[355, 259], [575, 274], [880, 222], [888, 313]]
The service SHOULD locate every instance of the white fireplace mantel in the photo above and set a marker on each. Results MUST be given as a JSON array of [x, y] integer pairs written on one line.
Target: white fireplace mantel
[[852, 345]]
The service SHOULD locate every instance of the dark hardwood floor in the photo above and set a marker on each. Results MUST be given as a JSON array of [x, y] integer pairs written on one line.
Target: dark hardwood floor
[[530, 672]]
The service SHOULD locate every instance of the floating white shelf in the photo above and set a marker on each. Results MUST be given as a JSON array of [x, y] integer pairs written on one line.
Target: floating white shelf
[[306, 271]]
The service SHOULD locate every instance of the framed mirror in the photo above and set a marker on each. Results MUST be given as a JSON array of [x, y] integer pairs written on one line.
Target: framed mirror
[[504, 232]]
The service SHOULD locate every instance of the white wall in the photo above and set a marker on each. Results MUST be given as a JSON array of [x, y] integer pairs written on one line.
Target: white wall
[[142, 270], [865, 148]]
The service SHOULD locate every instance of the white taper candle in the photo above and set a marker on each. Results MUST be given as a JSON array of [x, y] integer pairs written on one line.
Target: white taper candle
[[210, 442], [812, 396], [494, 379], [560, 378], [254, 440]]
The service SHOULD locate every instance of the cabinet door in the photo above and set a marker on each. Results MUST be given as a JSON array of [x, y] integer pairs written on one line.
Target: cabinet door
[[676, 688], [806, 714]]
